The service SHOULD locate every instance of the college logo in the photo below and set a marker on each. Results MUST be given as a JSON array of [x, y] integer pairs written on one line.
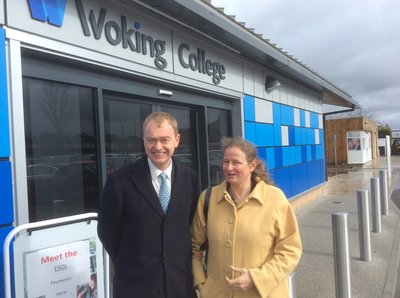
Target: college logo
[[48, 10]]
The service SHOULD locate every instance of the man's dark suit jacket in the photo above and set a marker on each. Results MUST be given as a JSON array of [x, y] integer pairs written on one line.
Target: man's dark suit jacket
[[152, 252]]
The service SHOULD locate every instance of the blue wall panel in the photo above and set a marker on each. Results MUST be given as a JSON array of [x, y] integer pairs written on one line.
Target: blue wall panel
[[319, 152], [278, 157], [272, 176], [322, 166], [308, 153], [271, 158], [298, 154], [299, 178], [292, 155], [314, 122], [310, 136], [250, 132], [314, 173], [303, 154], [287, 115], [303, 136], [3, 234], [264, 135], [6, 196], [297, 135], [302, 118], [4, 120], [283, 181], [249, 109], [321, 136], [285, 156], [292, 136], [277, 124], [262, 153]]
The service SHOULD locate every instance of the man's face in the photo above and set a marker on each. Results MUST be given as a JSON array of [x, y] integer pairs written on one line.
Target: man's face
[[160, 143]]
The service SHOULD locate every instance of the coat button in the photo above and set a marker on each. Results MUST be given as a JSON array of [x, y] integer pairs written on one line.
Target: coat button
[[228, 268], [228, 243], [232, 220], [165, 257]]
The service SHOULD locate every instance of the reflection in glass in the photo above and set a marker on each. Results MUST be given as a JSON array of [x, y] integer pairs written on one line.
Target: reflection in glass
[[218, 127], [123, 132], [186, 152], [60, 143]]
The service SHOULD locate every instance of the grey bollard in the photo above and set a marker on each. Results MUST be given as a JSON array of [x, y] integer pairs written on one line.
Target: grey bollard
[[363, 225], [384, 192], [58, 208], [375, 205], [388, 156], [341, 254], [292, 285]]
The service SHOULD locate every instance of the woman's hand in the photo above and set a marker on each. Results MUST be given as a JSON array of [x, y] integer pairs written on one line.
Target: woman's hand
[[243, 283], [199, 287]]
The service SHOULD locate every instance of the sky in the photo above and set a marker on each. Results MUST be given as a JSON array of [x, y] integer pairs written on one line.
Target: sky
[[355, 44]]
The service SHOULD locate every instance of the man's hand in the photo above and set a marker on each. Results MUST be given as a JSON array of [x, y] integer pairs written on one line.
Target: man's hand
[[243, 283]]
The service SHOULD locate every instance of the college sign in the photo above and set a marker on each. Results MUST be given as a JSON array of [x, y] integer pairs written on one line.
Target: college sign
[[120, 31]]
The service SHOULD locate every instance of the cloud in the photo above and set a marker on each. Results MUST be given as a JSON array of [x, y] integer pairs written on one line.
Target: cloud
[[354, 44]]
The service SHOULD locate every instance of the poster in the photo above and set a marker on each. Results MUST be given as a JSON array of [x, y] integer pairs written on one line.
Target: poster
[[353, 144], [68, 270]]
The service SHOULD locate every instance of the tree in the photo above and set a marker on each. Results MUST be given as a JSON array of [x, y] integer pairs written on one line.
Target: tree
[[384, 131], [363, 112]]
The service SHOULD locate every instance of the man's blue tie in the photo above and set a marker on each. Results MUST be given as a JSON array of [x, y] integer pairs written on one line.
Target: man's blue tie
[[164, 192]]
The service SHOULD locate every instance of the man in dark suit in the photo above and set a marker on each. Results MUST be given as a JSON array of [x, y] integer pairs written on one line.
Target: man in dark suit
[[146, 236]]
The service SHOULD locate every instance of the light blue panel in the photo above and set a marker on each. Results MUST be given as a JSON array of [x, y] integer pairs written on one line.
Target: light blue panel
[[6, 196], [299, 178], [298, 154], [314, 122], [4, 120], [249, 110], [264, 135], [283, 181], [322, 174], [319, 152], [309, 156], [302, 118], [292, 155], [303, 136], [271, 158], [287, 115], [250, 132], [277, 124], [277, 113], [286, 156], [321, 136], [297, 135], [310, 136]]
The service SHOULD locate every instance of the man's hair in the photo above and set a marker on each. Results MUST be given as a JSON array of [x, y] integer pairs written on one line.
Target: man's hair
[[159, 118]]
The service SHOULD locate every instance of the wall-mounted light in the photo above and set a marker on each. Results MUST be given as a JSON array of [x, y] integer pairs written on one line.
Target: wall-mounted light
[[271, 84], [165, 92]]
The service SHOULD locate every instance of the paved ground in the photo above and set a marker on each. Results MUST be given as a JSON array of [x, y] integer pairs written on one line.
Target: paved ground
[[315, 272]]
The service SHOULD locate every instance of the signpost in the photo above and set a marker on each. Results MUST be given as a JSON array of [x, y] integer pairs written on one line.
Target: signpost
[[334, 146]]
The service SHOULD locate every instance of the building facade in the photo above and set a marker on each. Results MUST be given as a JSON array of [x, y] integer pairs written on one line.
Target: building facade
[[78, 77]]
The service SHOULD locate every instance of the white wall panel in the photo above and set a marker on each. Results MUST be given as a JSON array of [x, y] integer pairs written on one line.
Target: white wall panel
[[258, 83], [317, 136], [285, 135], [296, 117], [301, 98], [307, 118], [248, 79], [320, 121], [263, 111], [307, 101], [283, 94], [2, 17], [296, 96]]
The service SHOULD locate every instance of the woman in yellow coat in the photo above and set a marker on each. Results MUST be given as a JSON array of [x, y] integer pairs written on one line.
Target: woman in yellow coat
[[253, 237]]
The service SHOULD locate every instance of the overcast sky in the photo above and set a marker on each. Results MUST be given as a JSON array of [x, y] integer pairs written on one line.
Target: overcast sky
[[355, 44]]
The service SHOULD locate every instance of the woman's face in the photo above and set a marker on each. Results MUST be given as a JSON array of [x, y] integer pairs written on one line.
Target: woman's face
[[235, 166]]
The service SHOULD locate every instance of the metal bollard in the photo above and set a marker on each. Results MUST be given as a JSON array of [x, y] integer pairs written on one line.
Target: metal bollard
[[363, 225], [375, 205], [384, 192], [341, 254], [292, 285]]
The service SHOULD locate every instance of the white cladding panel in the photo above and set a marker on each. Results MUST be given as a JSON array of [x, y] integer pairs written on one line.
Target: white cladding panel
[[259, 83], [233, 67], [248, 79], [263, 110], [296, 117], [285, 135], [72, 32]]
